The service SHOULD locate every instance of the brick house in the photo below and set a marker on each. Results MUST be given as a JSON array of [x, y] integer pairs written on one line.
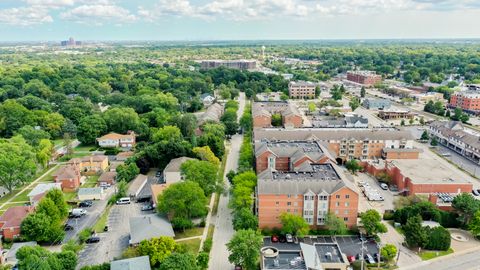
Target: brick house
[[69, 176], [262, 114], [11, 220], [90, 164], [112, 140], [311, 193], [289, 155], [107, 178]]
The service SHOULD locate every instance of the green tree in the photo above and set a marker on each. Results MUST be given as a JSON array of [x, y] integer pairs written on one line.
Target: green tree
[[244, 219], [179, 261], [402, 122], [277, 120], [17, 163], [44, 152], [438, 239], [434, 141], [33, 136], [335, 225], [362, 92], [372, 222], [354, 103], [474, 225], [121, 120], [425, 136], [202, 260], [415, 234], [127, 172], [312, 107], [206, 154], [90, 128], [421, 121], [48, 207], [13, 116], [244, 248], [158, 249], [202, 172], [353, 166], [183, 199], [294, 224], [388, 252], [167, 133], [57, 197], [466, 205]]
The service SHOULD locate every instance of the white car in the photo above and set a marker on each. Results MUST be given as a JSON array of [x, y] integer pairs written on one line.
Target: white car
[[384, 186], [289, 238]]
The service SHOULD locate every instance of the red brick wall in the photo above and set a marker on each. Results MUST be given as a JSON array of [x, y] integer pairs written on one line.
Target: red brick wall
[[402, 155], [270, 207], [262, 121], [11, 233], [352, 208], [294, 120], [261, 162]]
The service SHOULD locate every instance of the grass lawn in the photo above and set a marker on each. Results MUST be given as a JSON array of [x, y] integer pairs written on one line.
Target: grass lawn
[[211, 229], [48, 177], [91, 181], [84, 148], [11, 205], [22, 196], [428, 254], [189, 233], [193, 245], [10, 195], [70, 196], [58, 142], [102, 221], [74, 155]]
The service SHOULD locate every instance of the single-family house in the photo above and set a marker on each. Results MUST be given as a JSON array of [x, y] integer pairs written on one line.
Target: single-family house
[[122, 156], [172, 173], [112, 140], [147, 227], [69, 176], [11, 220], [95, 193], [156, 190], [90, 164], [107, 178], [207, 99], [37, 193], [136, 263], [11, 256]]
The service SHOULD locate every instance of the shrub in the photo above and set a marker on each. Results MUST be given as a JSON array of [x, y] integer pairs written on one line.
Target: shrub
[[84, 235], [179, 223], [439, 239], [207, 245], [202, 260], [388, 215]]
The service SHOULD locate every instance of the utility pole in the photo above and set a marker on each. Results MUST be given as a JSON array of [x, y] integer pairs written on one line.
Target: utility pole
[[363, 258], [398, 256]]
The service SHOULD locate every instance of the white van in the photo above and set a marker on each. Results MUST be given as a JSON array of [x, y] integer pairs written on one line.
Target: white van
[[78, 212], [124, 200]]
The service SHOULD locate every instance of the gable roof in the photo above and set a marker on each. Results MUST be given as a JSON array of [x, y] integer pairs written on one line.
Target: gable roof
[[67, 172], [90, 191], [14, 216], [116, 136], [43, 188], [175, 164], [93, 158], [107, 177], [137, 263], [149, 226]]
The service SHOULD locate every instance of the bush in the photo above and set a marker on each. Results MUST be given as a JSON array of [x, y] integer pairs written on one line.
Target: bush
[[202, 260], [104, 266], [179, 223], [111, 151], [439, 239], [207, 245], [84, 235], [388, 215], [449, 219]]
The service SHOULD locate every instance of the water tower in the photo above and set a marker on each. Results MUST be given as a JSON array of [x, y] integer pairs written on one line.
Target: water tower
[[263, 52]]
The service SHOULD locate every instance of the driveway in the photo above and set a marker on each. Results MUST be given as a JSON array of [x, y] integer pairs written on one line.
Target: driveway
[[407, 257], [364, 204], [113, 242]]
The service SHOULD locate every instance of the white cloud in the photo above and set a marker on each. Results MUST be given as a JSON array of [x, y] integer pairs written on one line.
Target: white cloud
[[98, 14], [24, 16], [50, 3]]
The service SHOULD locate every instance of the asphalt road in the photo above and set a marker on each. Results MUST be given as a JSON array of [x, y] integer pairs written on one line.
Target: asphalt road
[[464, 261], [223, 220], [463, 163]]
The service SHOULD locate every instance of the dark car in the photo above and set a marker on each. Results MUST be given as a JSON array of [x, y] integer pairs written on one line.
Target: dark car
[[68, 227], [93, 239], [238, 267], [282, 239], [147, 207], [85, 204]]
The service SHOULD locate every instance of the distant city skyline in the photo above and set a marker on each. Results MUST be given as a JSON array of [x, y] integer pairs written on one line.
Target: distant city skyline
[[56, 20]]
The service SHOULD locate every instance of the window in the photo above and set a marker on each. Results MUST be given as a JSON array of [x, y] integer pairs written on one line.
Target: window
[[289, 203], [288, 210], [289, 195], [337, 204], [347, 196], [347, 204], [346, 212], [345, 219], [337, 196], [277, 203]]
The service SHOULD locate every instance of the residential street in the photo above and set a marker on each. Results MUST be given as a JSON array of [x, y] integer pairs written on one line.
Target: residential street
[[464, 261], [223, 221]]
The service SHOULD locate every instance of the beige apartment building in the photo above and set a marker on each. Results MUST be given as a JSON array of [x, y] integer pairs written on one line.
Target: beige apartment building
[[301, 89]]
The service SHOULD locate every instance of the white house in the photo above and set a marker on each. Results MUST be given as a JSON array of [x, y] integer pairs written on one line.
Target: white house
[[112, 140]]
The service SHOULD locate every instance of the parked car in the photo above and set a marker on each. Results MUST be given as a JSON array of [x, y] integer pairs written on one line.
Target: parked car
[[274, 239], [384, 186], [351, 259], [377, 257], [282, 239], [238, 267], [475, 192], [93, 239], [289, 238], [359, 257], [68, 227], [85, 204], [77, 212], [124, 200], [369, 258], [147, 207]]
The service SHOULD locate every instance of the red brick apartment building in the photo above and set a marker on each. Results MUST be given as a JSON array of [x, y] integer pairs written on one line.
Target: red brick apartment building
[[345, 144], [262, 114], [367, 78], [311, 193], [424, 176], [467, 100]]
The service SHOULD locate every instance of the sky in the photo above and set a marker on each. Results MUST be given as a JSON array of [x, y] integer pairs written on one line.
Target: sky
[[54, 20]]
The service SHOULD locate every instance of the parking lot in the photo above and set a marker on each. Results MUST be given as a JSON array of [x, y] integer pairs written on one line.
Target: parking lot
[[364, 203], [115, 241]]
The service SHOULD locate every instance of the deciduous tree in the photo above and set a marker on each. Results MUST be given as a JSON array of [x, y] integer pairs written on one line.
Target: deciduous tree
[[244, 248], [294, 224]]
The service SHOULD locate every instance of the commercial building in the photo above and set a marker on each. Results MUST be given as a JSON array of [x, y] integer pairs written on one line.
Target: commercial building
[[376, 103], [70, 42], [236, 64], [346, 144], [392, 114], [302, 89], [466, 100], [112, 140], [311, 192], [422, 176], [456, 136], [289, 155], [262, 113], [429, 96], [348, 121], [11, 220], [367, 78]]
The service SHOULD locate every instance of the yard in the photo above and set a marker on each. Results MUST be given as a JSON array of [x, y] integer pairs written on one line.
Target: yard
[[91, 181], [429, 254], [193, 245], [189, 233], [103, 220]]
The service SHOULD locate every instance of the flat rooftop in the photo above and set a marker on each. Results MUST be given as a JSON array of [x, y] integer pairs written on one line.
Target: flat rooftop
[[318, 172], [285, 260], [329, 253], [428, 171], [305, 146]]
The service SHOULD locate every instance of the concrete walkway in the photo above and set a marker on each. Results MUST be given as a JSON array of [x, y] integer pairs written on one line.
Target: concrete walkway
[[223, 221], [407, 257]]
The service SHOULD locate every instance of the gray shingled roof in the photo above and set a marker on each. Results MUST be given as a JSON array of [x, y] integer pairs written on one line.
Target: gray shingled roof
[[137, 263], [300, 134], [149, 226]]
